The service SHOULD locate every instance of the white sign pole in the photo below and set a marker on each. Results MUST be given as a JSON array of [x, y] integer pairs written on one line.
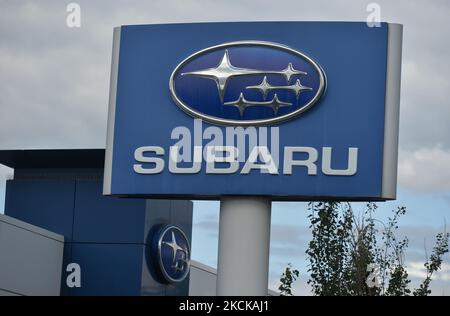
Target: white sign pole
[[244, 241]]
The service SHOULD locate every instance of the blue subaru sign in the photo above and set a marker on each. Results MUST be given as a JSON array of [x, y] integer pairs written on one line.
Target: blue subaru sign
[[288, 110], [169, 254]]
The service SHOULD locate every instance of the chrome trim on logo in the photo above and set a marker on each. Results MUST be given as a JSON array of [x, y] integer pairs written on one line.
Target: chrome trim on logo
[[177, 248], [270, 121]]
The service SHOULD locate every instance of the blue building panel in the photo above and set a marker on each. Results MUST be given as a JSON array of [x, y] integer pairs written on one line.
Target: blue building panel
[[108, 269], [42, 202], [100, 219]]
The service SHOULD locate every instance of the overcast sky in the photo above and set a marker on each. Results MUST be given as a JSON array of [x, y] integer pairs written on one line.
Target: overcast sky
[[54, 83]]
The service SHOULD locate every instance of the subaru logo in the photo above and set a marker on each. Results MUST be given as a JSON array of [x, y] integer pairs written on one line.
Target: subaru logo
[[247, 83], [171, 253]]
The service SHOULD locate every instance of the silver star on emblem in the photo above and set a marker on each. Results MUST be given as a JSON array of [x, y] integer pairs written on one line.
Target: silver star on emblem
[[264, 87], [225, 70], [241, 104], [175, 248], [290, 71], [222, 73]]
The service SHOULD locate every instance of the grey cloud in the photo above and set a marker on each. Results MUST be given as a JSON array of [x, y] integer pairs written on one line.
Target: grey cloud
[[291, 252], [289, 234], [425, 169], [209, 227], [289, 241]]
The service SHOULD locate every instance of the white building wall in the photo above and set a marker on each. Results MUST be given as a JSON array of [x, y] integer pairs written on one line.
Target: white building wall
[[30, 259]]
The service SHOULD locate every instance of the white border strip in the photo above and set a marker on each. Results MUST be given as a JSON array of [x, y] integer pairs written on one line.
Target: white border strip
[[111, 112], [392, 109]]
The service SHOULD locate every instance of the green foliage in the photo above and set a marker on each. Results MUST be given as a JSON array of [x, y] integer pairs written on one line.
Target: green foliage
[[344, 245], [433, 264], [329, 249], [398, 283], [287, 278]]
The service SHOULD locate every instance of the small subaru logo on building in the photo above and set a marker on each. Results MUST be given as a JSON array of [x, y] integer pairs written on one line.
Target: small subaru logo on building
[[170, 253], [247, 83]]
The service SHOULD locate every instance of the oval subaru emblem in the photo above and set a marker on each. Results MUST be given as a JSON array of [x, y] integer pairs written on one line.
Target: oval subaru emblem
[[247, 83], [172, 253]]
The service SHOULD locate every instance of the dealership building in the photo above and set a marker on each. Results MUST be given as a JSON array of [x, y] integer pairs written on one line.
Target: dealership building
[[243, 113], [56, 216]]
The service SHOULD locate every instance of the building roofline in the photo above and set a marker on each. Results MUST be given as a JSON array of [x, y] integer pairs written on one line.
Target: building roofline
[[53, 158]]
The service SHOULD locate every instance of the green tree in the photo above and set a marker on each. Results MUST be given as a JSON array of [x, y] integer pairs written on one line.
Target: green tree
[[344, 248], [287, 278], [329, 249], [433, 263]]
